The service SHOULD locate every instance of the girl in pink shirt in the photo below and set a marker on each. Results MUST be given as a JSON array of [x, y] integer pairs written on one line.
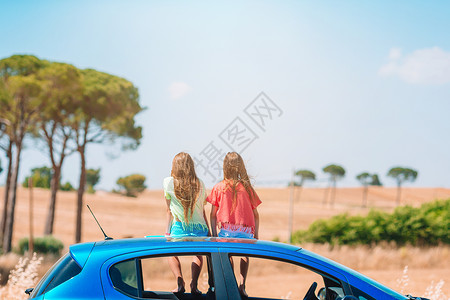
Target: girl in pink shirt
[[234, 207]]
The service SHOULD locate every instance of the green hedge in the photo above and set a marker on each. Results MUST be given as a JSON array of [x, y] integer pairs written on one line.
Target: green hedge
[[44, 245], [425, 225]]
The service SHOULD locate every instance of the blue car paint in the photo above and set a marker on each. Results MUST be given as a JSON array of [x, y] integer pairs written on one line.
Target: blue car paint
[[81, 252], [93, 281], [86, 285]]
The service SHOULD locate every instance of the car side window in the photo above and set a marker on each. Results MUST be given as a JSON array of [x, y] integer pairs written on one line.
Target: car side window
[[158, 274], [124, 277], [276, 279], [154, 277]]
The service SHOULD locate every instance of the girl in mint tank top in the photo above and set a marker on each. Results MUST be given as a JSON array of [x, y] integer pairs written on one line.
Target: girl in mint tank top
[[185, 198]]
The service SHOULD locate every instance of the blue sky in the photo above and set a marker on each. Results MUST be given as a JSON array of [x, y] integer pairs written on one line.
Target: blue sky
[[362, 84]]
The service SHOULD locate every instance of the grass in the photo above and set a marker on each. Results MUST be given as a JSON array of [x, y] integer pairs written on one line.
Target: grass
[[385, 256]]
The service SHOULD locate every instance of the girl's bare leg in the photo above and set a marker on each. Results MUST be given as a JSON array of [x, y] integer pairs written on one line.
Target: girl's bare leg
[[244, 270], [175, 266], [196, 267], [232, 263]]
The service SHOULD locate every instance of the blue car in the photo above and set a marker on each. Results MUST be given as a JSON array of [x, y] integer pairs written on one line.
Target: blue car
[[139, 269]]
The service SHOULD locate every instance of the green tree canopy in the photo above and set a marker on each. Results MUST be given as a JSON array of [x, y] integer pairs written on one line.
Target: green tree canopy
[[335, 171], [92, 178], [375, 180], [364, 178], [20, 65], [132, 184], [66, 187], [305, 175], [401, 175], [41, 177], [63, 87], [367, 179], [111, 103]]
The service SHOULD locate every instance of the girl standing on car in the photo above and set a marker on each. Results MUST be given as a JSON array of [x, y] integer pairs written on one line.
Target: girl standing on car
[[185, 196], [234, 207]]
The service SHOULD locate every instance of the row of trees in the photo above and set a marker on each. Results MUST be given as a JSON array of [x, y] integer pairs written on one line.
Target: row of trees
[[65, 109], [336, 172], [42, 177], [130, 185]]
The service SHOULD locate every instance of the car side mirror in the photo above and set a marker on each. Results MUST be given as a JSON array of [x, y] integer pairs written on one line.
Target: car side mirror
[[349, 298], [322, 294], [29, 291]]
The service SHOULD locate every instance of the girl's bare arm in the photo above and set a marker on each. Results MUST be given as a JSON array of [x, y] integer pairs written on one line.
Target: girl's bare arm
[[213, 220], [206, 220], [169, 217], [256, 215]]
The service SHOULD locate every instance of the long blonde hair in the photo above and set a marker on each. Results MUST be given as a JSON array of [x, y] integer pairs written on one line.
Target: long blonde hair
[[186, 183], [234, 172]]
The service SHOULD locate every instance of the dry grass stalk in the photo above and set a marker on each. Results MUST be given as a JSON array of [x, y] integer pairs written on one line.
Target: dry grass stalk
[[434, 292], [403, 281], [23, 276]]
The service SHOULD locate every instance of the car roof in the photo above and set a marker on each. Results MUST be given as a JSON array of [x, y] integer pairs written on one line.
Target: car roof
[[80, 252]]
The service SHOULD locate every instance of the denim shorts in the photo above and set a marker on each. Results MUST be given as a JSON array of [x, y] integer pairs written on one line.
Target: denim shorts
[[177, 230], [226, 233]]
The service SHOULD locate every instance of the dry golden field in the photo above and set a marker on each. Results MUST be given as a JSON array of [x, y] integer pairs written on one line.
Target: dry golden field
[[123, 217]]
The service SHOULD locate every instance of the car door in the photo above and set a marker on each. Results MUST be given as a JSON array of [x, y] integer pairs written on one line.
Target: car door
[[124, 276], [278, 275]]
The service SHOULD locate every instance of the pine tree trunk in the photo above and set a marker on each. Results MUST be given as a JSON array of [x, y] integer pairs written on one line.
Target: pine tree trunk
[[52, 206], [80, 194], [365, 192], [299, 193], [7, 238], [399, 193], [7, 186], [333, 193], [325, 197]]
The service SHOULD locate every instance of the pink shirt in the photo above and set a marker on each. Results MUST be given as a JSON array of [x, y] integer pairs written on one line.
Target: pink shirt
[[242, 216]]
